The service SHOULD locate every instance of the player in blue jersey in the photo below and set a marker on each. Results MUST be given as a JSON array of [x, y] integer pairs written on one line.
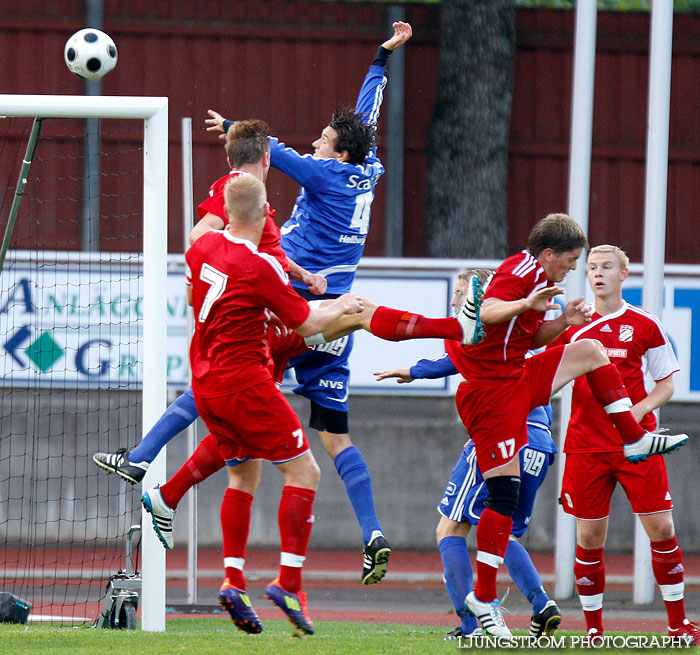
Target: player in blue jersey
[[326, 235], [465, 497], [332, 216]]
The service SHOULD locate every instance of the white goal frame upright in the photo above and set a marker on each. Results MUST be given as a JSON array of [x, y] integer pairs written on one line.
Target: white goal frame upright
[[154, 112]]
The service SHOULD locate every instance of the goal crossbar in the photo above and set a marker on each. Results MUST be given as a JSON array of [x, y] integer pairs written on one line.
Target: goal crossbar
[[49, 106], [154, 112]]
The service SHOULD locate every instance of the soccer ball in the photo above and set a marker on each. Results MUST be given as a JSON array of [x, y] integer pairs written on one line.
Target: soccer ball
[[90, 54]]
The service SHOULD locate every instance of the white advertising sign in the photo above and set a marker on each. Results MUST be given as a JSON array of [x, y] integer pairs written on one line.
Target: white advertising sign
[[65, 326]]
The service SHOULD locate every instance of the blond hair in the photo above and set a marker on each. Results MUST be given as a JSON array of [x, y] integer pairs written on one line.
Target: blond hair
[[245, 199], [482, 273], [619, 253]]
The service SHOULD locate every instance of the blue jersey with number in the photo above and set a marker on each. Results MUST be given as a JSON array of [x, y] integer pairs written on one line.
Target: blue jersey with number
[[328, 227]]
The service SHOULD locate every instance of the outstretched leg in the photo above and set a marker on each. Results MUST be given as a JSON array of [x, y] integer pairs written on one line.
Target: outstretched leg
[[132, 466], [546, 616], [353, 471], [322, 375], [161, 502], [204, 462], [400, 325]]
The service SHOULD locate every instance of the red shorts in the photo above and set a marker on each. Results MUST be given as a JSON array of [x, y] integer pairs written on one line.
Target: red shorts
[[590, 478], [495, 412], [255, 423]]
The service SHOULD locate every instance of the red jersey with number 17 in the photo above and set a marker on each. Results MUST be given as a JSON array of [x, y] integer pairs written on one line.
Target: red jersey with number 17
[[270, 238], [635, 342], [501, 355], [233, 284]]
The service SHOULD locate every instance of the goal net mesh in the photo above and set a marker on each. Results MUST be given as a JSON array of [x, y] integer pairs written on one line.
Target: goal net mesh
[[70, 325]]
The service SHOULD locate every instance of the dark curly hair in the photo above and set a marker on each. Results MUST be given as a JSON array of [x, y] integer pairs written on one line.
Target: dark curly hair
[[354, 135]]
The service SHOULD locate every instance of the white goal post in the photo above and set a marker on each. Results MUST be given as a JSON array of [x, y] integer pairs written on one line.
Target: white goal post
[[154, 112]]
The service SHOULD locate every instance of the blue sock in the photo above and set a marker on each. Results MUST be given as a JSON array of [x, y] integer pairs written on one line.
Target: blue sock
[[181, 414], [353, 471], [458, 577], [525, 575]]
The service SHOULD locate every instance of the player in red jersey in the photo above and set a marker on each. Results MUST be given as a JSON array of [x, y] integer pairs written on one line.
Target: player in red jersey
[[503, 386], [635, 341], [232, 286]]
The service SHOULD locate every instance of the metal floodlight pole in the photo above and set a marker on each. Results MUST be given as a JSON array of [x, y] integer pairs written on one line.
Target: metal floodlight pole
[[654, 225], [579, 194], [393, 230], [192, 441], [90, 210]]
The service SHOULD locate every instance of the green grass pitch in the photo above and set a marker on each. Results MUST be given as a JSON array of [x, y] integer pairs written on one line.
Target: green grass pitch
[[205, 636]]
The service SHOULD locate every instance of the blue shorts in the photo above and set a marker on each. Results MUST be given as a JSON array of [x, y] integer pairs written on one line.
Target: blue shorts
[[323, 374], [465, 496]]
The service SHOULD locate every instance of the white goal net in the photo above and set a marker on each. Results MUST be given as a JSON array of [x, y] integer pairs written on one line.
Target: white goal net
[[83, 210]]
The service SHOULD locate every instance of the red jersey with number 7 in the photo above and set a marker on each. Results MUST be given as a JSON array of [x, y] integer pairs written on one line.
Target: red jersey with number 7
[[233, 284]]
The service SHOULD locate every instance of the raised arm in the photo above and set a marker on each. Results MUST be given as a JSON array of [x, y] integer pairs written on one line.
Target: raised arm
[[369, 100], [402, 33], [215, 123]]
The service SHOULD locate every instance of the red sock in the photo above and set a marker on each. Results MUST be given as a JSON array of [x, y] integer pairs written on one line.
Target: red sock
[[589, 569], [204, 462], [398, 325], [235, 525], [667, 563], [492, 535], [607, 388], [295, 520]]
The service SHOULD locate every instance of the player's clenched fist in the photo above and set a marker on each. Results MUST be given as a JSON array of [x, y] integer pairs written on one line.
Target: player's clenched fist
[[352, 303]]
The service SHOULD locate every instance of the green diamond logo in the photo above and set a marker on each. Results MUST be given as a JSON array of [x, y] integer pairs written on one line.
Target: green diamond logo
[[44, 352]]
